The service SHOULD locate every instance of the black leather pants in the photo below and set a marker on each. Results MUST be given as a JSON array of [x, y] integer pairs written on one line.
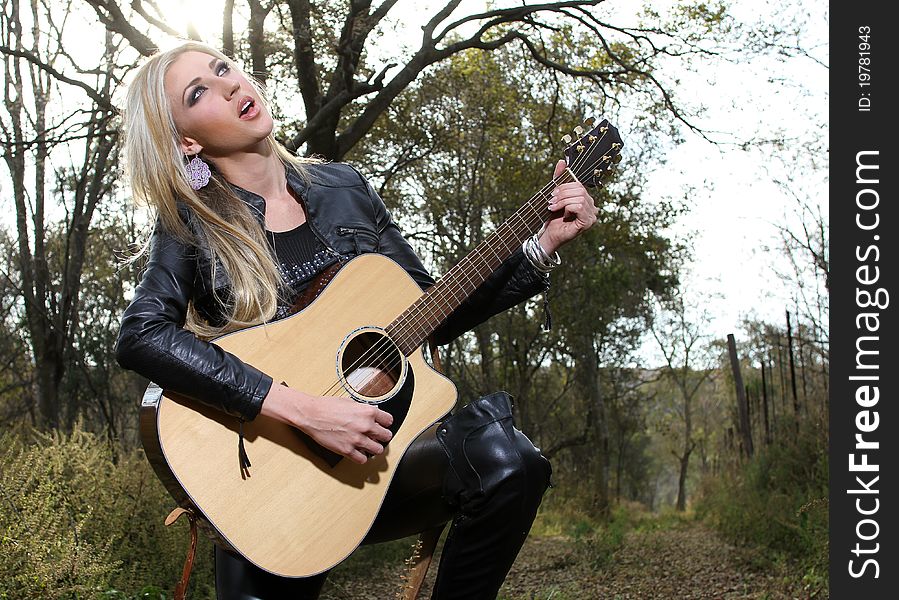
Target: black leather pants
[[476, 469]]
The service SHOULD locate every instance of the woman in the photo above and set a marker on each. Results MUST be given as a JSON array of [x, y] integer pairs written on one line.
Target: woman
[[242, 227]]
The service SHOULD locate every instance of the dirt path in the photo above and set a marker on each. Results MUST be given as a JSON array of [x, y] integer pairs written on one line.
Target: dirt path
[[688, 561]]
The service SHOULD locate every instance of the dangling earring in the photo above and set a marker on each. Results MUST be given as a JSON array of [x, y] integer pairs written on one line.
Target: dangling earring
[[198, 172]]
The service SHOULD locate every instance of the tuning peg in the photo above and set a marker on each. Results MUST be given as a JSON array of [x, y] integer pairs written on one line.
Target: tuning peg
[[579, 130], [591, 138], [588, 122], [567, 138], [617, 159]]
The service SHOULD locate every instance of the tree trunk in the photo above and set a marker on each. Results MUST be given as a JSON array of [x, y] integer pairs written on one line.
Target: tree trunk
[[588, 373], [684, 460], [752, 411], [256, 37], [773, 404]]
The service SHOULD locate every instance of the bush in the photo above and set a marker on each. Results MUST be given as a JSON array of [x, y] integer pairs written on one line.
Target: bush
[[79, 522], [777, 500], [596, 539]]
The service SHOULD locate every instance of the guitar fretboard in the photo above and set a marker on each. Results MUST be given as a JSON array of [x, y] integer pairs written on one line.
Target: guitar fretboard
[[417, 322]]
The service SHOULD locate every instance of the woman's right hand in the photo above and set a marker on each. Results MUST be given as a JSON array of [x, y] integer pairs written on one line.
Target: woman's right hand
[[342, 425]]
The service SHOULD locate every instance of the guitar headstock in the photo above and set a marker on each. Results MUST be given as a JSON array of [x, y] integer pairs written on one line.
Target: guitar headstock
[[593, 154]]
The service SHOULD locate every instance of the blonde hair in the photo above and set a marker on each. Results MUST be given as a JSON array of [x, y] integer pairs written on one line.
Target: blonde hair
[[158, 174]]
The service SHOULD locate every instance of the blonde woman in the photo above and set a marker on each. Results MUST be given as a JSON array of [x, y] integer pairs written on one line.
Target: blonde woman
[[242, 228]]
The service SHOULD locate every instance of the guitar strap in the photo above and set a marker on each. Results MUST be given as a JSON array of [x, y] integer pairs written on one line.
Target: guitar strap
[[181, 588], [315, 287]]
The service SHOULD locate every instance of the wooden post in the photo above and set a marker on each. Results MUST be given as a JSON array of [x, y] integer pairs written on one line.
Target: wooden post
[[742, 408], [751, 412], [796, 407], [765, 405], [802, 363], [783, 377], [773, 396]]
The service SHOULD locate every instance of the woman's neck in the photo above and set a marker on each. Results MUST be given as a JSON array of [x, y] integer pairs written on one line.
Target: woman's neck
[[262, 174]]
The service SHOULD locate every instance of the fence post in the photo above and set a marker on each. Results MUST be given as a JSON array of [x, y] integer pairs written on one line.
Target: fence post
[[742, 408]]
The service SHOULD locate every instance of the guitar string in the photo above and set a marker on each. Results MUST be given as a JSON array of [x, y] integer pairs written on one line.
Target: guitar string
[[508, 226], [384, 347], [426, 315]]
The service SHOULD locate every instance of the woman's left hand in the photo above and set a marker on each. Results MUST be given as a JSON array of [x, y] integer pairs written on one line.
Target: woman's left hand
[[573, 212]]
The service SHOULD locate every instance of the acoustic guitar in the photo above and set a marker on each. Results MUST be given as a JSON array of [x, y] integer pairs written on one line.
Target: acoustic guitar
[[300, 509]]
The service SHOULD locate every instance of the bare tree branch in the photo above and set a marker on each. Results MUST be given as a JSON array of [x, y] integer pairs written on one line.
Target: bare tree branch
[[89, 90], [110, 14]]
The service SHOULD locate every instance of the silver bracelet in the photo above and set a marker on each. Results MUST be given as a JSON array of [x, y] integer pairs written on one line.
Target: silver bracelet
[[555, 261], [538, 257]]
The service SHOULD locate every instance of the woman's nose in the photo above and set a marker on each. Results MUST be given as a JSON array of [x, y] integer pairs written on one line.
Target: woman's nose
[[231, 87]]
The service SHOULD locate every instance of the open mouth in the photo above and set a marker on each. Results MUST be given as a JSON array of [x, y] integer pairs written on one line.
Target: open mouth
[[246, 107]]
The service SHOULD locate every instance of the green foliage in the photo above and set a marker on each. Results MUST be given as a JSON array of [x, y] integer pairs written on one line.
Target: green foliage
[[665, 519], [777, 500], [600, 545], [75, 523], [595, 539]]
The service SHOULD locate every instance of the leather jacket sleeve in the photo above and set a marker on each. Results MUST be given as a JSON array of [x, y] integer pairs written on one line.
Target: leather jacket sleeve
[[514, 281], [153, 342]]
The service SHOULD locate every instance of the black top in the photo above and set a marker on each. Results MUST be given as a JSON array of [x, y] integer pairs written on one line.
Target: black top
[[300, 257]]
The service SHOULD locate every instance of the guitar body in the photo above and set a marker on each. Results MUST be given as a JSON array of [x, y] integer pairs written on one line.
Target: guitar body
[[298, 511]]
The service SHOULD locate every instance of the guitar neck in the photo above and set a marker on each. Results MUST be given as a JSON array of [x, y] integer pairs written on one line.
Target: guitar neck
[[417, 322]]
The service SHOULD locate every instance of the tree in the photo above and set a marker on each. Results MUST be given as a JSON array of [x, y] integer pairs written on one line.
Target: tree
[[16, 371], [325, 53], [34, 126], [97, 389], [689, 364]]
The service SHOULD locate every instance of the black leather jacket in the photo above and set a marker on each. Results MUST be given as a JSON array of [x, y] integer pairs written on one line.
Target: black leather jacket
[[348, 216]]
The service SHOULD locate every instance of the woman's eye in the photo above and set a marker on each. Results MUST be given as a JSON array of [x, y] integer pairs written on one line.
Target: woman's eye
[[195, 95], [220, 70]]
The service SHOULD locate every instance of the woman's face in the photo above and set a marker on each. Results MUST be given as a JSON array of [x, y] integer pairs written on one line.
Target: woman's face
[[216, 109]]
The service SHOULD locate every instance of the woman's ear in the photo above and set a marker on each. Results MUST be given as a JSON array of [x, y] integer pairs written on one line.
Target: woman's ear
[[189, 146]]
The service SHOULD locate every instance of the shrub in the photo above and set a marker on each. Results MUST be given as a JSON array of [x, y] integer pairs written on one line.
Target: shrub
[[777, 500], [78, 521]]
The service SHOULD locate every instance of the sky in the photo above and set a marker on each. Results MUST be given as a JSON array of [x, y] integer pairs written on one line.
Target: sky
[[736, 205]]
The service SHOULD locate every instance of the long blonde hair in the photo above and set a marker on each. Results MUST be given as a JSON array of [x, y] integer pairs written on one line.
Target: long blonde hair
[[157, 171]]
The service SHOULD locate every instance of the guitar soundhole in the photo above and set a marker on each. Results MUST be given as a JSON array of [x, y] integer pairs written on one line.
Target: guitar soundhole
[[371, 365]]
